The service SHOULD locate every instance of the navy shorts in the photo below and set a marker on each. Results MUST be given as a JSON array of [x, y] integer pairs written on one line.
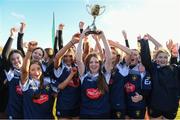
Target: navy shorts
[[157, 113], [68, 113]]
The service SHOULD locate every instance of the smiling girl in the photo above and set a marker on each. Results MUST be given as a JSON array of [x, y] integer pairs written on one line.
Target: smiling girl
[[36, 89], [12, 63], [94, 82], [165, 82]]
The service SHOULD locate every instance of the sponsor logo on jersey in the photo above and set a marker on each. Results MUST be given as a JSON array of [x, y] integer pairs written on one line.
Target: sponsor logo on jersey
[[42, 99], [129, 87], [93, 93]]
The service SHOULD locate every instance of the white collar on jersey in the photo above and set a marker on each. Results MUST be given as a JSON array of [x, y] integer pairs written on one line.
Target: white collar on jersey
[[35, 82], [93, 75]]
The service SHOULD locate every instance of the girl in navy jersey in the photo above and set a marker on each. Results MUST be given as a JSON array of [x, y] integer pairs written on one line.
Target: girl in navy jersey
[[135, 83], [12, 62], [137, 87], [36, 89], [67, 82], [116, 85], [165, 82], [94, 82]]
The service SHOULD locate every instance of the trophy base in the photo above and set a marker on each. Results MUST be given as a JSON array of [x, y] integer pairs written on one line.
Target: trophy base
[[93, 32]]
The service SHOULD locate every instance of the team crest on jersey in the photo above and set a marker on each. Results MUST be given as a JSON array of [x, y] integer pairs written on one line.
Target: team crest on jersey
[[118, 114], [138, 113], [42, 99], [18, 90], [47, 88], [134, 77]]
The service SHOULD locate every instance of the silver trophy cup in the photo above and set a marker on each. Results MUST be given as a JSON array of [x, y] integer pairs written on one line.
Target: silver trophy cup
[[94, 10]]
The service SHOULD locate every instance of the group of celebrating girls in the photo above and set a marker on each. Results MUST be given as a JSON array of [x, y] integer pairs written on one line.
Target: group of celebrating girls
[[78, 81]]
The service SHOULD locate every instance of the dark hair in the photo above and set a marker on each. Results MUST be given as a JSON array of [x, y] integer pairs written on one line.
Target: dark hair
[[36, 96], [40, 49], [10, 55], [49, 52], [101, 84]]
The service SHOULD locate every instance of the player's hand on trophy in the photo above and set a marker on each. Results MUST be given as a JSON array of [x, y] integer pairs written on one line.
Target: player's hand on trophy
[[81, 24]]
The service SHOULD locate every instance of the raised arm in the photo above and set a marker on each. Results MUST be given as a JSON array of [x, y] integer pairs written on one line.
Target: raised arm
[[125, 38], [154, 41], [145, 54], [118, 45], [20, 38], [68, 79], [56, 44], [26, 62], [108, 54], [60, 54], [60, 38], [98, 46], [7, 47], [79, 53], [86, 48]]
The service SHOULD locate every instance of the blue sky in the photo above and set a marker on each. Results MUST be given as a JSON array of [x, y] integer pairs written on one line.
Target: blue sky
[[160, 18]]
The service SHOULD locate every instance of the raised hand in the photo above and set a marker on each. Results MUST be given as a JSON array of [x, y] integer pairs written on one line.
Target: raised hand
[[61, 26], [169, 45], [73, 70], [12, 32], [174, 50], [75, 38], [124, 34], [101, 35], [81, 25], [139, 37], [32, 45], [23, 26]]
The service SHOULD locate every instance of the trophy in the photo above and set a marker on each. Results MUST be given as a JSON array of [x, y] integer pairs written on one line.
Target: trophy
[[94, 10]]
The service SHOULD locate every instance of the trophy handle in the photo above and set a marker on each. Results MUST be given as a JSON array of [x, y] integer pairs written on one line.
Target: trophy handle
[[104, 8], [88, 7]]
